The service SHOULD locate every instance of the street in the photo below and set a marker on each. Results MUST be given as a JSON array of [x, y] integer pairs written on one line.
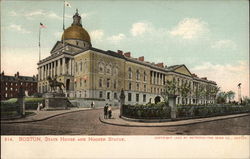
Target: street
[[87, 123]]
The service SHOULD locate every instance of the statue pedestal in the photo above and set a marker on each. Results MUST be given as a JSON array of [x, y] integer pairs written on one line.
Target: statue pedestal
[[172, 104], [55, 101]]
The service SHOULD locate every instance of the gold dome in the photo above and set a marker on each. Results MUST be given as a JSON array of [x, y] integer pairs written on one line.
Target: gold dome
[[76, 32]]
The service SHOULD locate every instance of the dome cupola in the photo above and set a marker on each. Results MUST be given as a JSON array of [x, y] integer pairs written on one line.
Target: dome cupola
[[76, 34]]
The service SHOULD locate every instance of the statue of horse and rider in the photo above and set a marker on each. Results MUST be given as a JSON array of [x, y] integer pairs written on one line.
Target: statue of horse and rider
[[53, 83]]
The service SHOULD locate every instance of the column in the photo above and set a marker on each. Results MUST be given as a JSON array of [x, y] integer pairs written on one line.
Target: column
[[58, 67], [54, 68], [39, 73], [63, 65], [46, 71], [158, 78], [49, 73], [42, 72], [70, 66], [154, 78], [73, 67]]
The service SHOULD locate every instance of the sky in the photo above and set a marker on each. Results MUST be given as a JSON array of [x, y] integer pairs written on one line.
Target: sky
[[210, 37]]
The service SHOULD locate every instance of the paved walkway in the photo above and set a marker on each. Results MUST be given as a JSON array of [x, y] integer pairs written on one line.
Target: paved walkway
[[42, 115], [116, 120]]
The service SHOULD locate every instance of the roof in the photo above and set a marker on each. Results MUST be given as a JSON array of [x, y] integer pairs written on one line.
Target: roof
[[18, 78]]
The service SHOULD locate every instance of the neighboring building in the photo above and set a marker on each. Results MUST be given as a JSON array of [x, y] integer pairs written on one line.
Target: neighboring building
[[10, 85], [91, 73]]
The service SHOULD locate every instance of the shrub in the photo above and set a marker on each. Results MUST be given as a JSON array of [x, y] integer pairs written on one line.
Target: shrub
[[204, 111], [149, 111], [30, 104]]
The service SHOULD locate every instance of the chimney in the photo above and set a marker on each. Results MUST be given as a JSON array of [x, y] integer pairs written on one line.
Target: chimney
[[3, 73], [194, 75], [205, 78], [127, 54], [141, 58], [120, 52], [17, 74], [160, 65]]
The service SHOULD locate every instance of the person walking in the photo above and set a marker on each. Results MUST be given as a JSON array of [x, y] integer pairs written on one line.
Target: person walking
[[109, 111], [106, 111], [92, 104]]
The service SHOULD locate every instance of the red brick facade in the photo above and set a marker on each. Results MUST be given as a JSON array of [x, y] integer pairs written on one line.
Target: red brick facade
[[10, 85]]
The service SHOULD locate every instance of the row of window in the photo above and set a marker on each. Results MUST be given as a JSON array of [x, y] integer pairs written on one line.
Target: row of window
[[108, 83], [137, 97], [108, 95], [109, 68], [138, 75], [191, 101], [15, 84]]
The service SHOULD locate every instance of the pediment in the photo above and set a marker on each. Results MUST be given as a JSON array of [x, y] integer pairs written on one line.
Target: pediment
[[57, 46], [183, 70]]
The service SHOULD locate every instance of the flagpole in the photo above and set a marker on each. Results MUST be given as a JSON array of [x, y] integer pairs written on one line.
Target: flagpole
[[63, 14], [63, 22], [39, 44]]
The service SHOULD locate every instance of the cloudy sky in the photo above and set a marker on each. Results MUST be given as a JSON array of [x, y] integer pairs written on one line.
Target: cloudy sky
[[210, 37]]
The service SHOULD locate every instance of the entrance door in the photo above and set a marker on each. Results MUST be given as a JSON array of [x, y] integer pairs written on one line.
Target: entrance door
[[157, 99]]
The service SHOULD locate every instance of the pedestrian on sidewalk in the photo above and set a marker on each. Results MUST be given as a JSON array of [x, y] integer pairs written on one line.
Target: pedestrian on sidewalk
[[110, 111], [106, 111], [92, 104]]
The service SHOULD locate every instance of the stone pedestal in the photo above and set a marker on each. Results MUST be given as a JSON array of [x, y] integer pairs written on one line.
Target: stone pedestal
[[21, 101], [172, 104], [21, 104], [55, 101], [122, 101]]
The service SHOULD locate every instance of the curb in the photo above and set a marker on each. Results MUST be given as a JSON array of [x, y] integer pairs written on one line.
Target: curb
[[29, 121], [185, 124]]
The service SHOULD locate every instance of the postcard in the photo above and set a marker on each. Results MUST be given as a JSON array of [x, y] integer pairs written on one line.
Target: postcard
[[125, 79]]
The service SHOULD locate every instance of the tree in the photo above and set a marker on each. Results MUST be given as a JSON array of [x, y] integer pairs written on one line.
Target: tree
[[214, 91], [171, 87], [230, 96], [185, 89], [221, 98], [200, 91], [170, 90], [246, 100]]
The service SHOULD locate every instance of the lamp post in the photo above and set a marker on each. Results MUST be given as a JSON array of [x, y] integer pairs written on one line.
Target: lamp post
[[239, 92]]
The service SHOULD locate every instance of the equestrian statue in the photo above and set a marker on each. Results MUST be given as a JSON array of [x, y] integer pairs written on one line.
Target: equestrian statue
[[53, 83]]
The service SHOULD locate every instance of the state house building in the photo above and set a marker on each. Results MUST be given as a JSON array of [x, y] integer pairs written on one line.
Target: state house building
[[91, 73]]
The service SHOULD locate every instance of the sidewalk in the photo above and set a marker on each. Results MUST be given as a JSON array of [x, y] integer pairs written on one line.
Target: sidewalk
[[42, 115], [116, 120]]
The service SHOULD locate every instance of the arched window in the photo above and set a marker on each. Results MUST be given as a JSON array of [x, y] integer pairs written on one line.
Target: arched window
[[130, 86], [108, 69], [129, 73], [138, 86], [108, 83], [145, 76], [137, 75], [100, 82], [101, 67]]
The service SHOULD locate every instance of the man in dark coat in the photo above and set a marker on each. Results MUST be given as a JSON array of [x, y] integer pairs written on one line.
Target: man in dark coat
[[106, 111]]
